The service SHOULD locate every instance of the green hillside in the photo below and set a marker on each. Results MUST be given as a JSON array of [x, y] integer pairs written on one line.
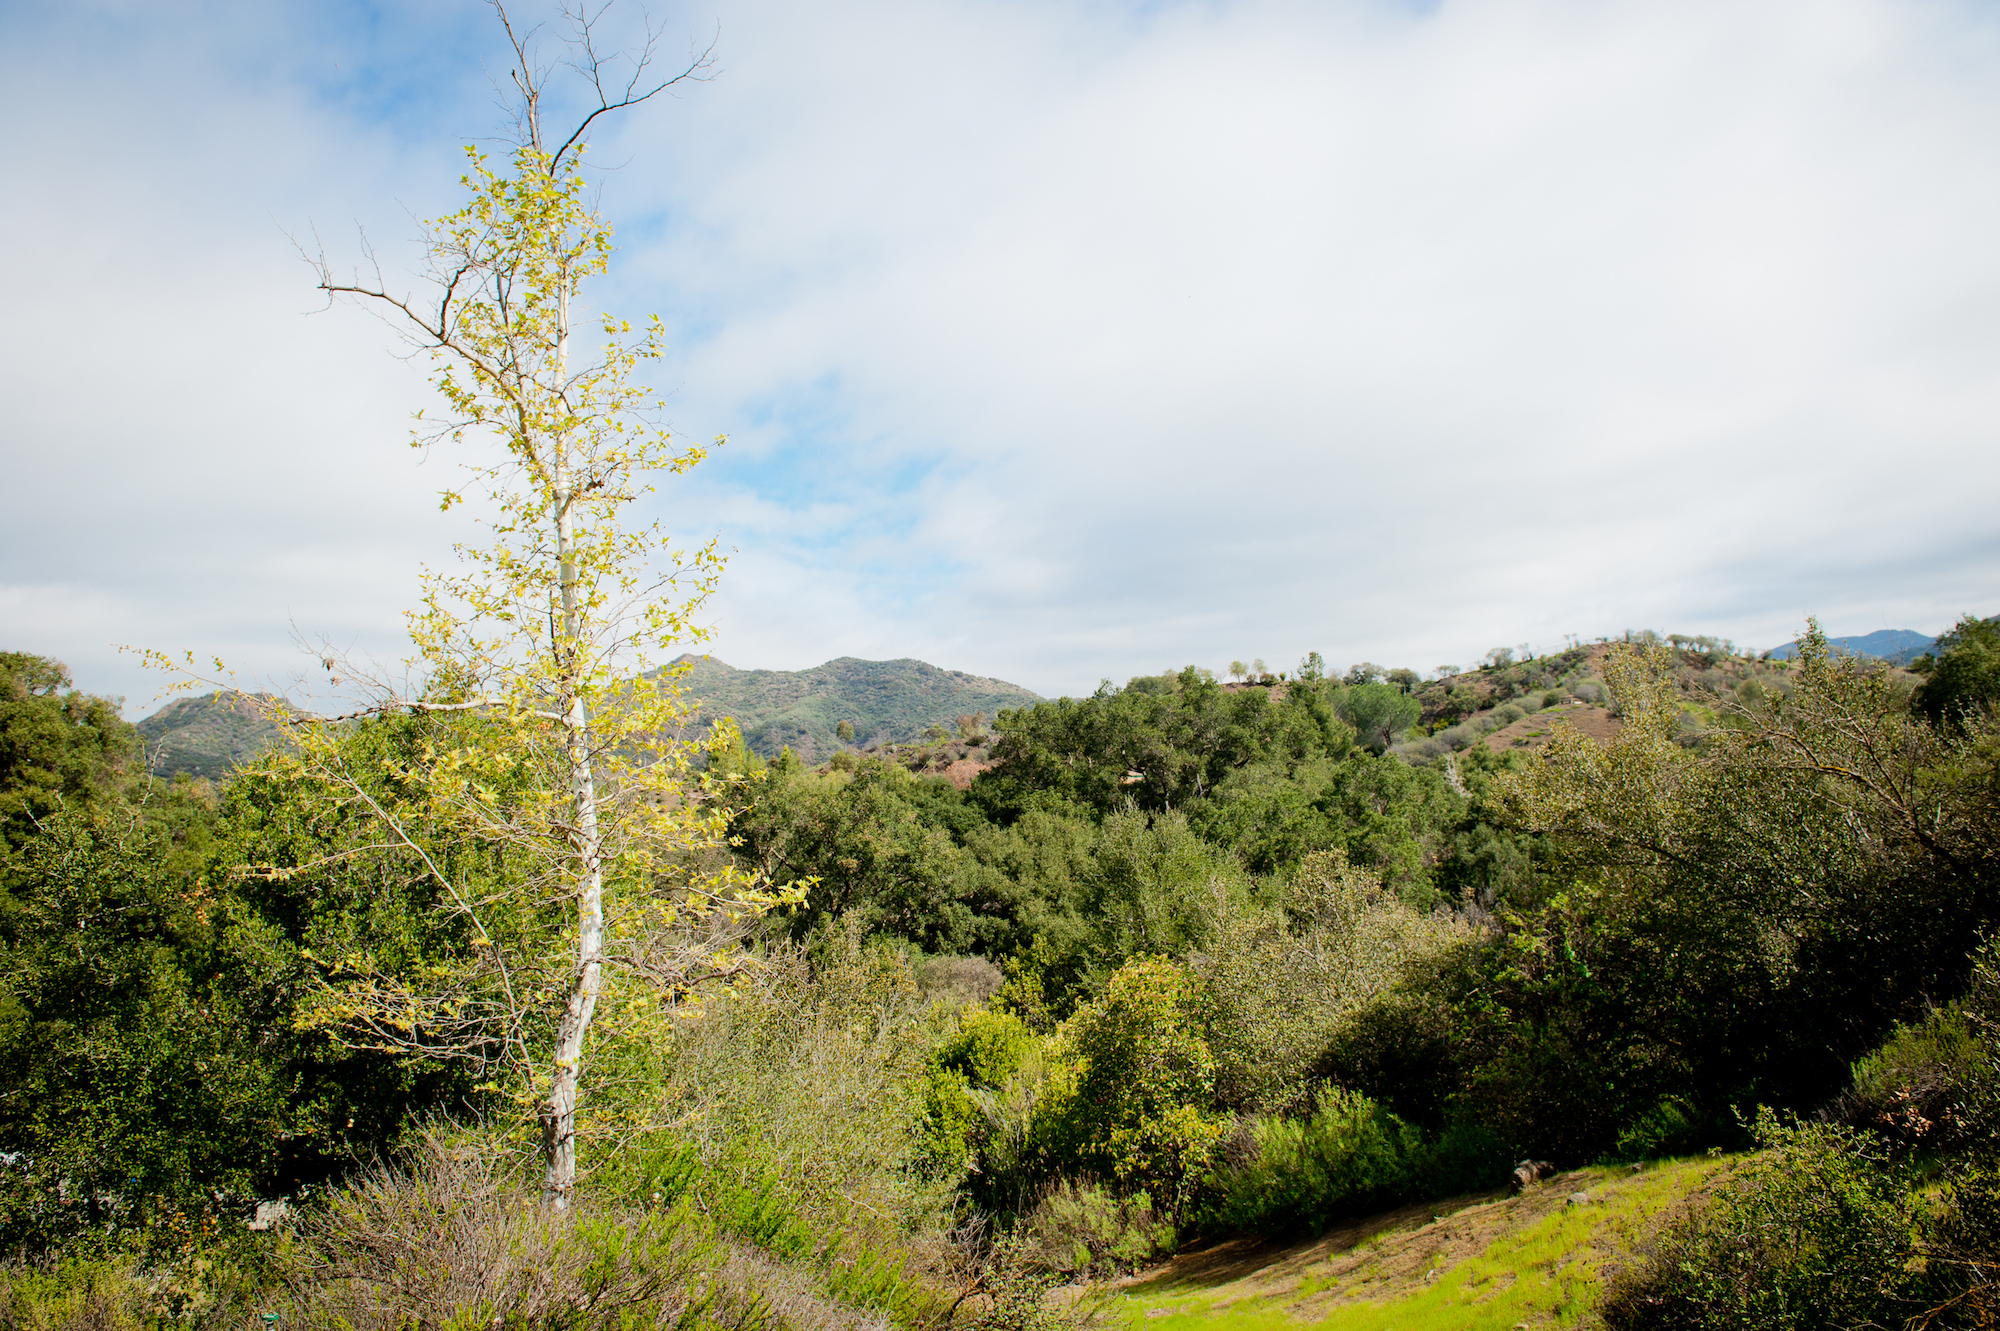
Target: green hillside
[[888, 702], [206, 736]]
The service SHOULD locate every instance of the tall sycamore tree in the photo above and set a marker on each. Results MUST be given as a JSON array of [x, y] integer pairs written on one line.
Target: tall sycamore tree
[[551, 741]]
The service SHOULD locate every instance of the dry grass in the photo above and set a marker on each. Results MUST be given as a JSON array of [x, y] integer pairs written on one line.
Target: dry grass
[[448, 1242]]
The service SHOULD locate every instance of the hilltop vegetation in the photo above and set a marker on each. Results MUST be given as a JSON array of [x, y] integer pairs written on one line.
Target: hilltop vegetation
[[877, 702], [209, 736], [881, 702], [1182, 963]]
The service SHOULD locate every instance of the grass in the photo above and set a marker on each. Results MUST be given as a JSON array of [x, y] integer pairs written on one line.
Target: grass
[[1494, 1261]]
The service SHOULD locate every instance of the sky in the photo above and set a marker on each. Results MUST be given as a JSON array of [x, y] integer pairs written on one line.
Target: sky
[[1053, 341]]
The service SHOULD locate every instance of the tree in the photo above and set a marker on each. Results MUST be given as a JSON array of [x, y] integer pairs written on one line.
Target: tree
[[548, 742], [845, 732], [1313, 667], [1963, 674], [59, 748], [1378, 713], [1237, 670]]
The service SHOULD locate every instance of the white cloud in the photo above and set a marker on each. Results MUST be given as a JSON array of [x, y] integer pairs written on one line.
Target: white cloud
[[1062, 341]]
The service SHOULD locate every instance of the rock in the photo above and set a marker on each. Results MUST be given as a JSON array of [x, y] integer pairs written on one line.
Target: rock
[[1578, 1198], [1531, 1171]]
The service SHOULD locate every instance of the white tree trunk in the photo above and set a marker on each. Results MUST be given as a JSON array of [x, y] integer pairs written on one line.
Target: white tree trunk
[[559, 1113]]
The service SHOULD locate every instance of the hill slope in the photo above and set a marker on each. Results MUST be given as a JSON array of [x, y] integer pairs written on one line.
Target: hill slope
[[1537, 1259], [889, 702], [206, 736]]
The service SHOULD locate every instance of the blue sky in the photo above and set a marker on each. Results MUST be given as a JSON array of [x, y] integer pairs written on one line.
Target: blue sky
[[1054, 341]]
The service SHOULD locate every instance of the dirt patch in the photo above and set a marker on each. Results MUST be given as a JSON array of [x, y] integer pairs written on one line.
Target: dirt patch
[[960, 773], [1531, 732]]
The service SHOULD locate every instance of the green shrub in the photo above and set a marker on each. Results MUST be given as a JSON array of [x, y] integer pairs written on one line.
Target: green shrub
[[1816, 1231], [1082, 1229], [1962, 1256], [1671, 1127], [203, 1287], [981, 1056], [1507, 714], [1134, 1109], [1933, 1084], [1346, 1155]]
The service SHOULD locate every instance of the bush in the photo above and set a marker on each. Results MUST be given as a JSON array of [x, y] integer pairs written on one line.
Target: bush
[[1816, 1231], [1934, 1084], [1347, 1155], [1670, 1127], [1134, 1112], [1962, 1257], [204, 1289], [450, 1242], [980, 1057], [1081, 1229], [1507, 714]]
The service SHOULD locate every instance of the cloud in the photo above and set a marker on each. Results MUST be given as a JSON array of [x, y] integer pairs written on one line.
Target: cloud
[[1061, 341]]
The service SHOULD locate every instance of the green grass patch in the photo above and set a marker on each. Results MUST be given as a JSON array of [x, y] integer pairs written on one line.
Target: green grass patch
[[1497, 1263]]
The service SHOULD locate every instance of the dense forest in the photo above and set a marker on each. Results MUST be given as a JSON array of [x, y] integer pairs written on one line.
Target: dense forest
[[1048, 998]]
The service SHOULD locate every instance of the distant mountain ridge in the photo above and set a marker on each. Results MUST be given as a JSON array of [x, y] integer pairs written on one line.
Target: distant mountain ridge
[[1896, 646], [888, 702]]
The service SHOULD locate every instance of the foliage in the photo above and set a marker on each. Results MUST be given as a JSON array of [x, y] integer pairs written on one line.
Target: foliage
[[1080, 1229], [811, 1071], [1282, 984], [1134, 1109], [1157, 743], [871, 844], [446, 1241], [1741, 919], [1344, 1155], [60, 749], [977, 1060], [159, 1084], [1883, 1212], [1817, 1231], [1379, 713], [1962, 675]]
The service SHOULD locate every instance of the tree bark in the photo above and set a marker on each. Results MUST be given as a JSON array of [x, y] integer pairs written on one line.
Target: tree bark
[[559, 1113]]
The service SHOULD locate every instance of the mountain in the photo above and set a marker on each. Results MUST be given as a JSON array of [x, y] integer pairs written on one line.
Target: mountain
[[206, 736], [1896, 646], [889, 702]]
